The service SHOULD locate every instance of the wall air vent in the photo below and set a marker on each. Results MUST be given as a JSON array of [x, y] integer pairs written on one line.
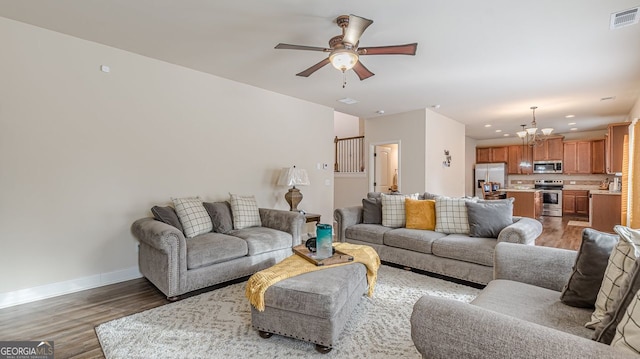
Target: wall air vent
[[624, 18]]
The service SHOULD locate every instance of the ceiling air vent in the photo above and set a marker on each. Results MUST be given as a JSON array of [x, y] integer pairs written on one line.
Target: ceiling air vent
[[624, 18]]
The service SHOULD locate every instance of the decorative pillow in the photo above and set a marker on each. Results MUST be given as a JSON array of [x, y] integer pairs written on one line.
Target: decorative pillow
[[245, 212], [421, 214], [607, 329], [221, 218], [193, 217], [167, 215], [588, 271], [621, 262], [451, 215], [393, 212], [372, 211], [488, 219], [428, 195], [627, 336]]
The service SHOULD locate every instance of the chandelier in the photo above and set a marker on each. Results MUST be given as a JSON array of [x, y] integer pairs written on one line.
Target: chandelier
[[531, 134]]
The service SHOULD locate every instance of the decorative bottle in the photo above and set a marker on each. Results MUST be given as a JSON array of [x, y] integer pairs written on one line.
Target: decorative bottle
[[324, 248]]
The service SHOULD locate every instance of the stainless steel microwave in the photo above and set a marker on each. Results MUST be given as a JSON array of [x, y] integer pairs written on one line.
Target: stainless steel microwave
[[547, 166]]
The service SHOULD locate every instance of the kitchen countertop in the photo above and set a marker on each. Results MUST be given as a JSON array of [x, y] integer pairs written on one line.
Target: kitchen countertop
[[519, 190], [604, 191]]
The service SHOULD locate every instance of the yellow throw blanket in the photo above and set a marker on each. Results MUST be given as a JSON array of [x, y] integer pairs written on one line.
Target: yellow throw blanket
[[296, 265]]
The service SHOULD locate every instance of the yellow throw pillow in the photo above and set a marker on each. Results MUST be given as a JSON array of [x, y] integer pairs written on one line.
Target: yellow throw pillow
[[421, 214]]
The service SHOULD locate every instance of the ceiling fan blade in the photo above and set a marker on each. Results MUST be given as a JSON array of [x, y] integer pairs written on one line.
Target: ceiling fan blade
[[362, 72], [354, 30], [408, 49], [300, 47], [314, 68]]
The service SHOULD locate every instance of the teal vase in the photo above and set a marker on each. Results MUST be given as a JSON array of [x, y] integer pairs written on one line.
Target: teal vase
[[324, 248]]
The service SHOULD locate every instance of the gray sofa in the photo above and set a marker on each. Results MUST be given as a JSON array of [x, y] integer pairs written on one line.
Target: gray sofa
[[517, 315], [178, 265], [453, 255]]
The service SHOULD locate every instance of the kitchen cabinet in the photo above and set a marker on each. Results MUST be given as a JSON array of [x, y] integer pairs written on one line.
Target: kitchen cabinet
[[550, 149], [606, 210], [492, 154], [527, 203], [598, 156], [517, 154], [615, 141], [577, 157], [575, 202]]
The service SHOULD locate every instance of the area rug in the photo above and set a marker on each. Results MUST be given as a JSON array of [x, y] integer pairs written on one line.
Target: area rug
[[217, 324], [579, 223]]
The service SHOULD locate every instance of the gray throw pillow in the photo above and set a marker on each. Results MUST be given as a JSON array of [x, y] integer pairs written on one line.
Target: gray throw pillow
[[488, 219], [167, 215], [606, 330], [428, 195], [588, 271], [221, 216], [372, 211]]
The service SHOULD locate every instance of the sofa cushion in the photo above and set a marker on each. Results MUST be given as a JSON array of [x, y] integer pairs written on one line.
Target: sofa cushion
[[465, 248], [393, 211], [588, 271], [167, 215], [211, 248], [488, 218], [451, 215], [533, 304], [372, 210], [263, 239], [627, 336], [621, 262], [416, 240], [371, 233], [245, 211], [194, 218], [420, 214], [221, 217]]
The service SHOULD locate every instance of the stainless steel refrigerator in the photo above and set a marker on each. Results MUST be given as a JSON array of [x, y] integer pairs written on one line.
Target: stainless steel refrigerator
[[489, 172]]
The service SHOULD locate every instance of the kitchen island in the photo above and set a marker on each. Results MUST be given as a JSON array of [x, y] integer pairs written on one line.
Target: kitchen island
[[528, 202], [605, 209]]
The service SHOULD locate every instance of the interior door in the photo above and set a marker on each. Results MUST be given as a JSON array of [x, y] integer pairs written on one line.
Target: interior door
[[382, 177]]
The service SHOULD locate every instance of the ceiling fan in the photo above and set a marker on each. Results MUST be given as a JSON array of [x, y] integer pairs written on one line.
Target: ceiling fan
[[344, 53]]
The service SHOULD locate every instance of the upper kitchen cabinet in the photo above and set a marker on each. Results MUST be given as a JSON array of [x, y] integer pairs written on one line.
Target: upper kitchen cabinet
[[577, 157], [597, 156], [550, 149], [615, 141], [492, 154], [518, 154]]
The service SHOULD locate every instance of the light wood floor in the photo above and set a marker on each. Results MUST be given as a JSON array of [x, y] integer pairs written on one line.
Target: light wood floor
[[70, 320]]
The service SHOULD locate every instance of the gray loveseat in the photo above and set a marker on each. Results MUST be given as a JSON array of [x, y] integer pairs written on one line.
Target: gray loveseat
[[453, 255], [517, 315], [178, 265]]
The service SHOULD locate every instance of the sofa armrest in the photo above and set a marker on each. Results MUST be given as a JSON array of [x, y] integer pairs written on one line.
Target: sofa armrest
[[285, 221], [445, 328], [346, 217], [158, 235], [540, 266], [524, 230]]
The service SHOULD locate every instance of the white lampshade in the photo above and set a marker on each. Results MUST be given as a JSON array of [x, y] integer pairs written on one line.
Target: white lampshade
[[292, 176], [546, 131]]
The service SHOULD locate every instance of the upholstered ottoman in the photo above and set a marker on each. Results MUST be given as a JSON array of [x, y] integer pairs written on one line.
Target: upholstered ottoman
[[313, 306]]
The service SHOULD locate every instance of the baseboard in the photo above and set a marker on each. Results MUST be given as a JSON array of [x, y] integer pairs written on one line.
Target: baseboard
[[28, 295]]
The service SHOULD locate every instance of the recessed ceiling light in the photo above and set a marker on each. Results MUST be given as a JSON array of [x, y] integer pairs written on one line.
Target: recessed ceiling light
[[348, 101], [574, 129], [380, 112], [487, 125], [571, 123], [569, 116], [498, 131], [506, 135]]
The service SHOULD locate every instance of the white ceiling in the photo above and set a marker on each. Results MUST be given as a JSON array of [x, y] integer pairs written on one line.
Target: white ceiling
[[483, 62]]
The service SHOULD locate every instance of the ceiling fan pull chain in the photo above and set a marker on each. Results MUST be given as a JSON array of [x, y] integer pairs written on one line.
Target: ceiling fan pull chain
[[344, 79]]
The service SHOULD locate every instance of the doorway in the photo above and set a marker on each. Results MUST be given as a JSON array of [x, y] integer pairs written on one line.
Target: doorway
[[384, 160]]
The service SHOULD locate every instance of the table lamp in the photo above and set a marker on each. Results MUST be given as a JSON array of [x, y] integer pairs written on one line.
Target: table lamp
[[292, 176]]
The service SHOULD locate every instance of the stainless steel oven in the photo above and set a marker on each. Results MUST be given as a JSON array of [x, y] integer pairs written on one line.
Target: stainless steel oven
[[551, 196]]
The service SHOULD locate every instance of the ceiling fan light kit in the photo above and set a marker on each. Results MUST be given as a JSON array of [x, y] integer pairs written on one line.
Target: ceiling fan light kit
[[344, 53]]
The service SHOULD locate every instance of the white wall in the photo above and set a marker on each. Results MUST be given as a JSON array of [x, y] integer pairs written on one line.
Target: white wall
[[635, 111], [84, 153], [443, 133], [470, 162], [345, 125]]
